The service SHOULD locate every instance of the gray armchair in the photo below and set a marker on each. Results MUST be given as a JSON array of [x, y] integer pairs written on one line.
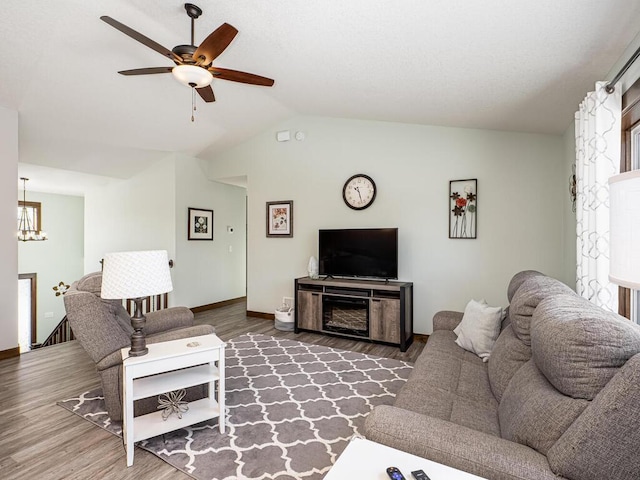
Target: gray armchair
[[103, 327]]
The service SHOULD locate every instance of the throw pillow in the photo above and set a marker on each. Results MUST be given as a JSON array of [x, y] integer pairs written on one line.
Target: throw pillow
[[479, 328]]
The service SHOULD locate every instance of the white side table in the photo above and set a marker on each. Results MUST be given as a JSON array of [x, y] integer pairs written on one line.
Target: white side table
[[366, 459], [172, 366]]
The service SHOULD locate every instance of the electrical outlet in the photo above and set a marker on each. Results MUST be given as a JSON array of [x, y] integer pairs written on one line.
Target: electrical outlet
[[48, 315]]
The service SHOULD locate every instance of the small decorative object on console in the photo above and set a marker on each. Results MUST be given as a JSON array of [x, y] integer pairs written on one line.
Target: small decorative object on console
[[172, 403], [312, 268]]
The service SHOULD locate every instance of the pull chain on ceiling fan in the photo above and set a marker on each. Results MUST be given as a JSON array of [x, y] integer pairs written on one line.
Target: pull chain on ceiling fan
[[193, 65]]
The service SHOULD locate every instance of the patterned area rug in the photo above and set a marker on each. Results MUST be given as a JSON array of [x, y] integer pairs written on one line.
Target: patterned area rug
[[291, 408]]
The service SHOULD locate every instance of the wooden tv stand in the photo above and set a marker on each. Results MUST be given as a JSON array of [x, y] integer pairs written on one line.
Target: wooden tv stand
[[373, 310]]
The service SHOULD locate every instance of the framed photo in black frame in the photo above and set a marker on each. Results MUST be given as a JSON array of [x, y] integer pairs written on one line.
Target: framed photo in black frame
[[200, 224], [280, 219]]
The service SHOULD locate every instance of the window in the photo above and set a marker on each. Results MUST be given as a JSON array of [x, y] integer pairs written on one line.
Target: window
[[33, 214], [629, 300]]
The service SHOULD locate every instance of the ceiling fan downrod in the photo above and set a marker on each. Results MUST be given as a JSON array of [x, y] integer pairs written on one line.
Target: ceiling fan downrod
[[194, 12]]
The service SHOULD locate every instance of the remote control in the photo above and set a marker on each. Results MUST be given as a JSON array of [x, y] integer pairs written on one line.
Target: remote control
[[420, 475], [395, 474]]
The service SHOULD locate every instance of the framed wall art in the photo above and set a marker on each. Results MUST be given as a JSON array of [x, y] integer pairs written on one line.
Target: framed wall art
[[280, 219], [463, 208], [200, 224]]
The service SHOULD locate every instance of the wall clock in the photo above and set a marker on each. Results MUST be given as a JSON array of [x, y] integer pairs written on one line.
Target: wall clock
[[359, 191]]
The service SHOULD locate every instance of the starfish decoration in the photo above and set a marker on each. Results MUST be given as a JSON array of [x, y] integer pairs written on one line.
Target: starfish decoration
[[172, 403]]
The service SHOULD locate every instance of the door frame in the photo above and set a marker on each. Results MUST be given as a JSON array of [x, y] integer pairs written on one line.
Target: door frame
[[33, 277]]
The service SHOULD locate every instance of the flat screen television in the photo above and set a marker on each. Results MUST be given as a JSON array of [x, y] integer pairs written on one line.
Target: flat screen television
[[358, 252]]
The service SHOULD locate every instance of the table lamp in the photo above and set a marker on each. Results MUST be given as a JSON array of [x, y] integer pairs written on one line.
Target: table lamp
[[135, 276]]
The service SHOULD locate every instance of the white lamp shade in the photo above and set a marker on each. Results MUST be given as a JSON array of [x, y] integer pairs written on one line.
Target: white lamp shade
[[192, 75], [135, 274], [624, 230]]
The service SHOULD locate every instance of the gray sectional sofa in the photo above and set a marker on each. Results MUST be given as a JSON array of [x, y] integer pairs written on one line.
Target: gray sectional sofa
[[558, 398]]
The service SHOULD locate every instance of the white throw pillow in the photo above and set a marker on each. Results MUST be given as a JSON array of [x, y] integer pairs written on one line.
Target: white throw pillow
[[479, 328]]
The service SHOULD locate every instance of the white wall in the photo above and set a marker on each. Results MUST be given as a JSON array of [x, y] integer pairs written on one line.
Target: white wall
[[521, 200], [8, 247], [149, 212], [207, 271], [58, 259], [133, 214]]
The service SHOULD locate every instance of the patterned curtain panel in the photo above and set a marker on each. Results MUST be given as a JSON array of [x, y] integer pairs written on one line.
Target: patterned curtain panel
[[597, 158]]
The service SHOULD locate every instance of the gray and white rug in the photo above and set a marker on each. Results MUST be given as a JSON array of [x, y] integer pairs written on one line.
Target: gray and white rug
[[291, 408]]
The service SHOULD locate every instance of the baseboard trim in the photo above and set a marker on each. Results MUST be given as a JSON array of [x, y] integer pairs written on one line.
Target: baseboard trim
[[10, 353], [213, 306], [265, 316], [420, 337]]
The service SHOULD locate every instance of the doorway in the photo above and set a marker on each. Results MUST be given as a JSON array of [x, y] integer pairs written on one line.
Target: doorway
[[27, 310]]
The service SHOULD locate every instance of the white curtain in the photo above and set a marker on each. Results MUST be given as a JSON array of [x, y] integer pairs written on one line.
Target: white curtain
[[597, 158]]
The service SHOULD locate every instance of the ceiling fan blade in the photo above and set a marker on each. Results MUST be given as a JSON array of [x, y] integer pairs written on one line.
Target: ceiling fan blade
[[141, 38], [146, 71], [242, 77], [206, 93], [214, 44]]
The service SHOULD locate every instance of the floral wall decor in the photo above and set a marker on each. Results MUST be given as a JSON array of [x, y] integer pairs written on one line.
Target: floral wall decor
[[61, 289], [463, 208]]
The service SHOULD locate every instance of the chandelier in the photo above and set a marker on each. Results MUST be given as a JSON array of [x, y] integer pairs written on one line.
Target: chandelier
[[26, 231]]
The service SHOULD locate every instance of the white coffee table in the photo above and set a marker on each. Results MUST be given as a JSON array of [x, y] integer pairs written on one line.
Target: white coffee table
[[366, 459], [170, 366]]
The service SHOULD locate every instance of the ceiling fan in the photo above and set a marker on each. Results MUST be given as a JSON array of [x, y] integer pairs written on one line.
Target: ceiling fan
[[193, 64]]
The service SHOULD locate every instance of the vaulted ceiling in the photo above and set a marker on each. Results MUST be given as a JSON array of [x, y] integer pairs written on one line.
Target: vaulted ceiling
[[494, 64]]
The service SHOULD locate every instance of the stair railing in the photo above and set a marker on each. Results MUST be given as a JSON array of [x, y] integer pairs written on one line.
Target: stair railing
[[63, 333]]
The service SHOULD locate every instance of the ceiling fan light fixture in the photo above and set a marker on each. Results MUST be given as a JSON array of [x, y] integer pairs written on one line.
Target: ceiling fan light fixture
[[192, 75]]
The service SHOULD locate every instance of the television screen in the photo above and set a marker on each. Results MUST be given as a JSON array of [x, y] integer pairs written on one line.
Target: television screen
[[361, 252]]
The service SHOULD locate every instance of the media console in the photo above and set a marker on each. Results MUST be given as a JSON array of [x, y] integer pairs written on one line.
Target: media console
[[375, 310]]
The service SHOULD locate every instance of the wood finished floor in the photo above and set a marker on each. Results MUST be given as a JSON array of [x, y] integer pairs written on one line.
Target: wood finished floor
[[39, 440]]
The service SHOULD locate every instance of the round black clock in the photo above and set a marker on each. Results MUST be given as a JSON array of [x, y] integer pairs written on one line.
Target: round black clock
[[359, 191]]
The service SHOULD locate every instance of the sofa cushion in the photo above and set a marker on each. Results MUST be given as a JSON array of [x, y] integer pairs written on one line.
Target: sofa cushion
[[603, 442], [518, 279], [526, 299], [442, 342], [479, 328], [450, 383], [92, 326], [91, 282], [119, 314], [446, 320], [532, 412], [578, 346], [509, 354]]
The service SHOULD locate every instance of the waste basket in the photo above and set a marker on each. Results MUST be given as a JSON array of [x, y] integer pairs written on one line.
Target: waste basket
[[284, 316]]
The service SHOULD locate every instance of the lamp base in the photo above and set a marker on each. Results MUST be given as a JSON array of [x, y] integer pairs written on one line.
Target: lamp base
[[138, 345], [138, 341]]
